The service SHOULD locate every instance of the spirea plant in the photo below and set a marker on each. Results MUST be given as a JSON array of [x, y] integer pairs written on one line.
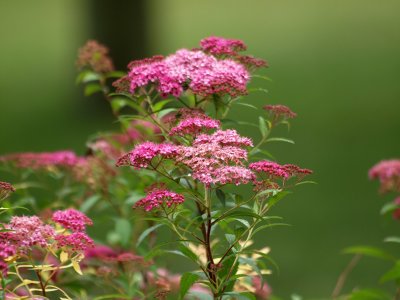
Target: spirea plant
[[178, 166]]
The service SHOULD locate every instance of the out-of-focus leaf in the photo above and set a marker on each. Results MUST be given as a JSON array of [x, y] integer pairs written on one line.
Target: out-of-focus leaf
[[160, 105], [239, 296], [392, 274], [247, 105], [263, 127], [87, 76], [221, 196], [89, 202], [392, 239], [115, 74], [123, 229], [368, 294], [187, 280], [146, 232], [389, 207], [369, 251], [278, 139], [92, 88]]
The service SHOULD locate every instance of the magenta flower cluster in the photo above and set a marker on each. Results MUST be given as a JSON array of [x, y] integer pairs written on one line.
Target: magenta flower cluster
[[203, 74], [5, 189], [158, 198], [193, 125], [280, 111], [72, 219], [43, 159]]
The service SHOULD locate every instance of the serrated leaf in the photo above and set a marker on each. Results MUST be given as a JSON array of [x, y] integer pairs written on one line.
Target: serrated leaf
[[369, 251], [187, 281]]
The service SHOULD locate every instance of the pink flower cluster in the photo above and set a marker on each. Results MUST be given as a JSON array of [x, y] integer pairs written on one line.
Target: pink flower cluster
[[195, 124], [203, 74], [220, 46], [142, 155], [160, 198], [275, 170], [43, 159], [7, 250], [95, 56], [5, 189], [228, 137], [76, 241], [388, 173], [72, 219], [280, 111]]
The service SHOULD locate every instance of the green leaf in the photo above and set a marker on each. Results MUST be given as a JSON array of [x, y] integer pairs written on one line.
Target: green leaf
[[392, 239], [221, 196], [123, 229], [188, 253], [278, 197], [247, 105], [368, 294], [146, 233], [277, 139], [263, 127], [369, 251], [165, 112], [392, 274], [239, 296], [187, 280], [115, 74], [88, 203], [87, 76], [389, 208], [92, 88], [160, 105]]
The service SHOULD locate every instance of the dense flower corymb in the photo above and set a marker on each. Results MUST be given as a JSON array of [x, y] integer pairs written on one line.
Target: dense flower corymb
[[43, 159], [76, 241], [219, 46], [141, 156], [158, 198], [280, 111], [72, 219], [194, 125], [201, 73], [388, 173], [95, 56]]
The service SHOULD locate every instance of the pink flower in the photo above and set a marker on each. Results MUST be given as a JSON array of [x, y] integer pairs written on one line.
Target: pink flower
[[5, 189], [76, 241], [220, 46], [233, 175], [6, 250], [280, 111], [100, 252], [252, 62], [224, 137], [202, 73], [72, 219], [269, 167], [142, 155], [29, 231], [388, 173], [158, 198], [42, 160], [195, 125], [95, 55]]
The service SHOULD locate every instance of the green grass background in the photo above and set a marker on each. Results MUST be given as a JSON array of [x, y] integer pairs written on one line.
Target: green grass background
[[336, 63]]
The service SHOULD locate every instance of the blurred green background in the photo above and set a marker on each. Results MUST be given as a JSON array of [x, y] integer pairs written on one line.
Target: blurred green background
[[336, 63]]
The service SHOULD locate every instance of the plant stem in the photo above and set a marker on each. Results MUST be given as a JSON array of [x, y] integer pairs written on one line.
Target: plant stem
[[343, 276]]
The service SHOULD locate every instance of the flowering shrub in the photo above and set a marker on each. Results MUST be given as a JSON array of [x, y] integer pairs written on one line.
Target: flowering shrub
[[176, 162]]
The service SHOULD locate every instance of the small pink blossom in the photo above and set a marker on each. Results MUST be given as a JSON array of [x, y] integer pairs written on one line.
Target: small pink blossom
[[76, 241], [388, 173], [43, 159], [95, 55], [142, 155], [5, 189], [158, 198], [29, 231], [195, 125], [233, 175], [269, 167], [72, 219], [228, 137], [280, 111], [221, 46]]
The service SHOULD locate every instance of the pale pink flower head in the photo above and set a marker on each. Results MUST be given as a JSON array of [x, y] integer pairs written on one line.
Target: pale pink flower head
[[43, 159], [75, 242], [228, 137], [6, 250], [233, 175], [5, 189], [29, 231], [195, 125], [252, 63], [142, 155], [388, 173], [95, 56], [72, 219], [160, 198], [222, 46]]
